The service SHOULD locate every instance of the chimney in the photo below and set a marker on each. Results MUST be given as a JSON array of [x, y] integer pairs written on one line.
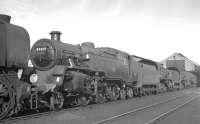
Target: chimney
[[5, 18], [55, 35]]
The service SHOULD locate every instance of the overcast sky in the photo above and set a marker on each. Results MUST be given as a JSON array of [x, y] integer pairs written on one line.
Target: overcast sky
[[152, 29]]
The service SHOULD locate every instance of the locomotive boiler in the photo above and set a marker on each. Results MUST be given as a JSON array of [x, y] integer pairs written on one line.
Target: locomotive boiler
[[14, 52]]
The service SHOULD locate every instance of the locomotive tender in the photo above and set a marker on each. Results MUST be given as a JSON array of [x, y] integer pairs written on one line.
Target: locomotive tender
[[14, 51]]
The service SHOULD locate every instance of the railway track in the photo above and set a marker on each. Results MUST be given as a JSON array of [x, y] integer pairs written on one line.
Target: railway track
[[154, 120], [32, 116], [158, 118], [42, 114]]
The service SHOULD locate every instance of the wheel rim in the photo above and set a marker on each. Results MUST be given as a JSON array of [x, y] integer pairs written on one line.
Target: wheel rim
[[122, 94], [60, 100], [100, 98], [75, 102], [108, 93], [135, 92], [6, 98], [130, 92], [83, 100], [114, 93]]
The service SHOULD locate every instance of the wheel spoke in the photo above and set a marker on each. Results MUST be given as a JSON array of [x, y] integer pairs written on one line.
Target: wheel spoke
[[1, 100], [115, 93], [3, 90], [4, 107], [122, 94], [6, 98], [58, 100]]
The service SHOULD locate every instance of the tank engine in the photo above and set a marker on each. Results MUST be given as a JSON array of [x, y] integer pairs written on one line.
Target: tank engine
[[14, 52], [82, 73]]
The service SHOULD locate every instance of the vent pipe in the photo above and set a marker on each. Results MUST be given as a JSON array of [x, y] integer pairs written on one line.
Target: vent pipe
[[55, 35]]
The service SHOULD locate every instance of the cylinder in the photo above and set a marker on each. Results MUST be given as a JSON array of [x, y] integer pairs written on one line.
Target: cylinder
[[55, 35], [5, 18]]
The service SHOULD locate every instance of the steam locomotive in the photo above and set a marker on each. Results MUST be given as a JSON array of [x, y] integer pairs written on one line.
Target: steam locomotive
[[15, 93], [66, 74], [82, 74]]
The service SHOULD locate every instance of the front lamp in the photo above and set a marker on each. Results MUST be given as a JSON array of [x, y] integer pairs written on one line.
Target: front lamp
[[33, 78]]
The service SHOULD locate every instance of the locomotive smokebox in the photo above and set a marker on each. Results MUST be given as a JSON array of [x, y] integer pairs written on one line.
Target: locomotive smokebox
[[5, 18], [55, 35]]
